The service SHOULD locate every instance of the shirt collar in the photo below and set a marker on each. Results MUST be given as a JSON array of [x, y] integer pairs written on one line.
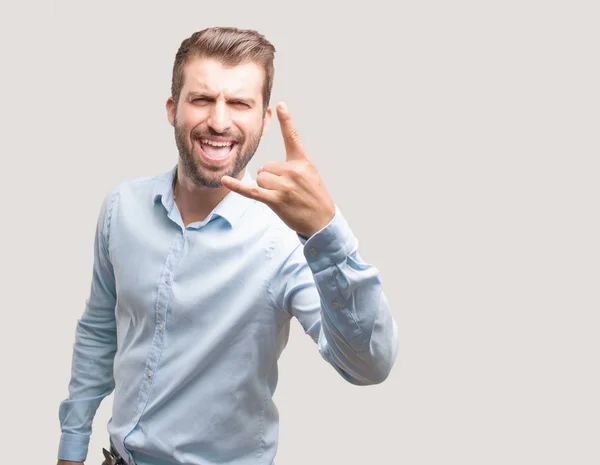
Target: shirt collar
[[231, 208]]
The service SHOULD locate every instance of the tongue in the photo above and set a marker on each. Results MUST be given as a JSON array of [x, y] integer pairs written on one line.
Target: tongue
[[216, 152]]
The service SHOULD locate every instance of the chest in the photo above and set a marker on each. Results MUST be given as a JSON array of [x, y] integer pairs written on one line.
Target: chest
[[201, 278]]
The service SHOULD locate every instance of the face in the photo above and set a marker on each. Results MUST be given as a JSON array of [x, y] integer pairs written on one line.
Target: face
[[218, 119]]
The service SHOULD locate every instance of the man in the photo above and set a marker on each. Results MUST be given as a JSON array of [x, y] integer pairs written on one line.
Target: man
[[198, 272]]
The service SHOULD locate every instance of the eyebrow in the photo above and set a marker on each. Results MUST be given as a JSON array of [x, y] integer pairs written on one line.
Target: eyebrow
[[209, 95]]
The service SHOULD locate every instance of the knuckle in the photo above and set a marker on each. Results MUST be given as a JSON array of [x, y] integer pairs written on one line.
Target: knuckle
[[302, 170], [294, 135], [296, 172], [284, 194], [307, 167], [282, 197]]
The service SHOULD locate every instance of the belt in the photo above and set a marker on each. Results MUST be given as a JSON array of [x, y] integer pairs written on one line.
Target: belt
[[113, 457]]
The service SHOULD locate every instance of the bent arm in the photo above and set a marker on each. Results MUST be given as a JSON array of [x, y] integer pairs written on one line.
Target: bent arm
[[339, 300]]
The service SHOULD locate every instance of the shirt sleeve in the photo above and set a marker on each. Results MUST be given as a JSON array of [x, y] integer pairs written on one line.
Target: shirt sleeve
[[348, 315], [94, 350]]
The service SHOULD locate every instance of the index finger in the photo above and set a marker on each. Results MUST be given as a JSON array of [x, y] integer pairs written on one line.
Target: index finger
[[248, 190], [291, 138]]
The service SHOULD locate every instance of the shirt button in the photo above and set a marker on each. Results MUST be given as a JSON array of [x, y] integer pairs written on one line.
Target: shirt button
[[312, 252], [160, 327], [167, 279], [149, 374], [336, 304], [136, 418]]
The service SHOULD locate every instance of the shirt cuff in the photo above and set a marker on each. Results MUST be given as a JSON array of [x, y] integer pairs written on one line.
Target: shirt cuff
[[330, 245], [73, 447]]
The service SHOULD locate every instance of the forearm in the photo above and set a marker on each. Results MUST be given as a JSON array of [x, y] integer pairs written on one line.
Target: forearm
[[356, 331], [91, 381]]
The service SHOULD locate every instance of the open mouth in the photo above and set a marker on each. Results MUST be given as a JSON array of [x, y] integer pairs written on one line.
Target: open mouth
[[215, 152]]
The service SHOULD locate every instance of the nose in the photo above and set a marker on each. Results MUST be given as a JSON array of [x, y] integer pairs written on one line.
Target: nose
[[219, 119]]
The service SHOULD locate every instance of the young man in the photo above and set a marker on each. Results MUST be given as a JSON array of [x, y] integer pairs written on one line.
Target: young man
[[198, 272]]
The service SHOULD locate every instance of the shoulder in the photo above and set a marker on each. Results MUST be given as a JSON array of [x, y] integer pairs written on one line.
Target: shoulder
[[139, 189]]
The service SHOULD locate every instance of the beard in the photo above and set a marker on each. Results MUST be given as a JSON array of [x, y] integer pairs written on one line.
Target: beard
[[206, 176]]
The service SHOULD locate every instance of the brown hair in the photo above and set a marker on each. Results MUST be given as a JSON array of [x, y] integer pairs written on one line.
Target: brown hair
[[231, 46]]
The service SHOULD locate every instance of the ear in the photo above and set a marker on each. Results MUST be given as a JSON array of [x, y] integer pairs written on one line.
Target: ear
[[267, 120], [171, 109]]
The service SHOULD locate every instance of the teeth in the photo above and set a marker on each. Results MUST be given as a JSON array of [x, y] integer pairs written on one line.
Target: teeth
[[216, 144]]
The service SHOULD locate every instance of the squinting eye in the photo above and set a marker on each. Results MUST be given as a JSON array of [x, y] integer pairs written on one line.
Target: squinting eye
[[200, 100], [240, 104]]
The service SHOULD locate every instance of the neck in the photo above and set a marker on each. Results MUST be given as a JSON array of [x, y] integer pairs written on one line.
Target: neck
[[196, 202]]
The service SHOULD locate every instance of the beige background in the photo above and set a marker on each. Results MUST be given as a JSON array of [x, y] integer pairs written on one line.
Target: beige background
[[459, 138]]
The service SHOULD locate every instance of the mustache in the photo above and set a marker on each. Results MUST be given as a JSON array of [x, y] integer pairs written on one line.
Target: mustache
[[199, 134]]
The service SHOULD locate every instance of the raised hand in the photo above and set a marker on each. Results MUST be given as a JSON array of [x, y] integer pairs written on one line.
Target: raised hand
[[292, 188]]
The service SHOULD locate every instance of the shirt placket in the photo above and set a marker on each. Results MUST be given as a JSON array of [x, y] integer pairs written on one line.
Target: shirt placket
[[161, 311]]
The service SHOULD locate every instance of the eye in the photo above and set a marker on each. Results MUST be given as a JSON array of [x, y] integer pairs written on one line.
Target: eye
[[239, 103], [200, 100]]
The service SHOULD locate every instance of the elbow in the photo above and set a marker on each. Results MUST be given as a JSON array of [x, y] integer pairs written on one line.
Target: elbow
[[371, 374], [380, 376], [377, 376], [384, 357], [370, 380], [369, 364], [380, 363]]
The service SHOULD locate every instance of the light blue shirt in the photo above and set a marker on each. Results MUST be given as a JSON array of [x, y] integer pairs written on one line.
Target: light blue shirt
[[186, 324]]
